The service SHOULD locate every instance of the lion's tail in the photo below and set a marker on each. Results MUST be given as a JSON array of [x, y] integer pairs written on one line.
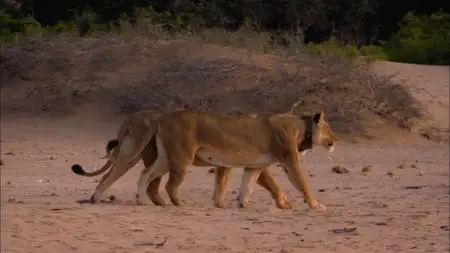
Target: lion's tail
[[144, 141], [295, 105], [77, 169]]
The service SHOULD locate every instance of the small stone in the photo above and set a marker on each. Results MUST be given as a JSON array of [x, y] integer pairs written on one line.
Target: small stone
[[413, 166], [421, 173], [367, 168], [390, 173], [401, 166], [1, 162], [414, 187], [339, 169], [211, 171], [343, 230], [296, 234], [321, 190], [13, 200]]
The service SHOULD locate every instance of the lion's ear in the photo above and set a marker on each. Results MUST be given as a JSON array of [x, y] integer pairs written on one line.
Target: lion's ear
[[318, 116]]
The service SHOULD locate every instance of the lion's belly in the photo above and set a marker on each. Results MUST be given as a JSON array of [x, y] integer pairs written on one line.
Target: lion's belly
[[235, 158]]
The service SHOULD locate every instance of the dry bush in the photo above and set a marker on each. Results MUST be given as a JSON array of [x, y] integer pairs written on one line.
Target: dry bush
[[135, 72]]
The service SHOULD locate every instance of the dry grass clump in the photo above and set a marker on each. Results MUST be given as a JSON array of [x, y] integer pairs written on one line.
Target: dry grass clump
[[130, 73]]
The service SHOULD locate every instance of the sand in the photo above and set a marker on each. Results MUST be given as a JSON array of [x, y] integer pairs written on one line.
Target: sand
[[400, 205]]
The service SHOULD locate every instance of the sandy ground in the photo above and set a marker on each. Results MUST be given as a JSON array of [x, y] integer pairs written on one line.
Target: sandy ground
[[428, 84], [401, 205]]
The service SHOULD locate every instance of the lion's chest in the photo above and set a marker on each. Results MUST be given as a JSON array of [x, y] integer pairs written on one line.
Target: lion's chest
[[235, 158]]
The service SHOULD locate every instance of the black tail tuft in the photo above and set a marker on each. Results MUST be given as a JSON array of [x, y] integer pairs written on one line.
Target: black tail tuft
[[112, 144], [77, 169]]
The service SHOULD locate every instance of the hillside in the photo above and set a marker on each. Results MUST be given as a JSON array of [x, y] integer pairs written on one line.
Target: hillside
[[113, 75]]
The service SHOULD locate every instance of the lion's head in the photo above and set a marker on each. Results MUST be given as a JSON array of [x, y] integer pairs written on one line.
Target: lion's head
[[322, 134]]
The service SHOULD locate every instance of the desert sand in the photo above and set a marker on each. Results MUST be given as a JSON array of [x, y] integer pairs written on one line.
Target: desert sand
[[400, 205]]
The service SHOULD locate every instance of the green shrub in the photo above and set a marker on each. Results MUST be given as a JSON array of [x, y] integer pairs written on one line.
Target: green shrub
[[373, 52], [333, 47], [421, 39], [13, 29]]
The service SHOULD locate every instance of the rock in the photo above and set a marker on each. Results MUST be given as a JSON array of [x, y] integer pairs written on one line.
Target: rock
[[414, 187], [390, 173], [343, 230], [366, 168], [339, 169]]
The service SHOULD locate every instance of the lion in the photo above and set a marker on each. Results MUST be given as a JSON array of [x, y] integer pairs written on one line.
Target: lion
[[139, 123], [186, 137]]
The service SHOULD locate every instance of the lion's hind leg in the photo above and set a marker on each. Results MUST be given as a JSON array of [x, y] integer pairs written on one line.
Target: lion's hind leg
[[149, 157], [153, 192], [267, 181], [116, 171], [177, 173], [158, 169]]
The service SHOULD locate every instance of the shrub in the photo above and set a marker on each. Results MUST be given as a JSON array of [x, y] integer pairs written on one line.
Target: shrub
[[421, 39], [11, 28], [373, 52]]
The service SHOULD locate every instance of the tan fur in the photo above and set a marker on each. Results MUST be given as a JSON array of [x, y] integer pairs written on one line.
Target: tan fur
[[186, 137], [133, 130]]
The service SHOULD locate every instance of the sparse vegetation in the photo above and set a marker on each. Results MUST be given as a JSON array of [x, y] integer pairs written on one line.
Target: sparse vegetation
[[143, 65], [170, 58]]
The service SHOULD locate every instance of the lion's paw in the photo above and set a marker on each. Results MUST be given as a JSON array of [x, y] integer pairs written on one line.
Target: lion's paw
[[285, 205], [219, 203], [319, 206], [244, 204], [142, 200]]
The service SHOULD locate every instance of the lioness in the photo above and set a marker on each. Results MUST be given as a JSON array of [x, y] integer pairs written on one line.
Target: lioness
[[136, 126], [230, 141]]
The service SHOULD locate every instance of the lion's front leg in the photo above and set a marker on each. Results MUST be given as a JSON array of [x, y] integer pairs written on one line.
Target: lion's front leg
[[297, 178], [221, 179], [248, 181]]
